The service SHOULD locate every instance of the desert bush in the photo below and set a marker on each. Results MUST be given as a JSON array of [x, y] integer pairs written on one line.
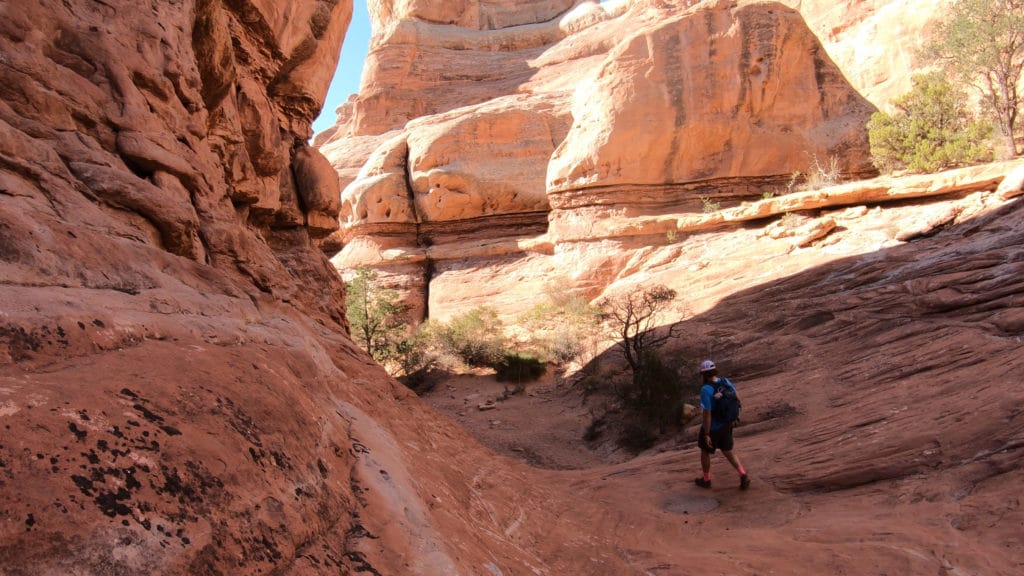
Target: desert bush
[[819, 174], [519, 367], [655, 394], [562, 326], [414, 359], [709, 206], [376, 318], [931, 129], [979, 44], [632, 319], [476, 337], [653, 397], [564, 346]]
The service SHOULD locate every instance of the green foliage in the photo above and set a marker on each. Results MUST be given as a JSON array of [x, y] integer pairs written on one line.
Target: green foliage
[[561, 327], [932, 129], [476, 337], [375, 316], [981, 43], [415, 359], [517, 367]]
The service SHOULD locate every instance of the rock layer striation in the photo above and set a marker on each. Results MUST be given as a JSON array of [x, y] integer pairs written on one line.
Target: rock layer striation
[[464, 142]]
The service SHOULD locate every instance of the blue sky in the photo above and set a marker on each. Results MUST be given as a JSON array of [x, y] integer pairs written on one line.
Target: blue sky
[[350, 67]]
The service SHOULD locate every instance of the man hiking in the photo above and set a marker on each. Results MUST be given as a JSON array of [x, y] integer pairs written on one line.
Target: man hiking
[[719, 411]]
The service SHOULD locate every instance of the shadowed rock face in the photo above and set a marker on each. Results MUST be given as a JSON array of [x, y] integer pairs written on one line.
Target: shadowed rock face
[[166, 320]]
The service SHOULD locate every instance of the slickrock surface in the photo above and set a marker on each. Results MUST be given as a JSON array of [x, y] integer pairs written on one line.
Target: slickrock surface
[[720, 91]]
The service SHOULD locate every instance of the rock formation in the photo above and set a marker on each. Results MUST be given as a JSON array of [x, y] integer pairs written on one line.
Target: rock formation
[[874, 42], [644, 107], [605, 71], [178, 394], [170, 337]]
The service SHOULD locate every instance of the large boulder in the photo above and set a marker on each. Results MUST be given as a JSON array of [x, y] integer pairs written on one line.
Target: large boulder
[[723, 90]]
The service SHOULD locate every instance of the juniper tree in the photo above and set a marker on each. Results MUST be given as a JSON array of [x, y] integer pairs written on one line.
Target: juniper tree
[[376, 318], [931, 128], [981, 42]]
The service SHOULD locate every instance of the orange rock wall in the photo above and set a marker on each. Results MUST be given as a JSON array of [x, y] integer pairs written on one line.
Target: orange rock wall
[[638, 106]]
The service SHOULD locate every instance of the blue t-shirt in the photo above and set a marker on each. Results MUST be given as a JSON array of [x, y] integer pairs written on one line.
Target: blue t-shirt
[[707, 392]]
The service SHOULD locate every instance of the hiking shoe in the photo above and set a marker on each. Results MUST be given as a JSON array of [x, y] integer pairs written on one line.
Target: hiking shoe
[[744, 482], [702, 482]]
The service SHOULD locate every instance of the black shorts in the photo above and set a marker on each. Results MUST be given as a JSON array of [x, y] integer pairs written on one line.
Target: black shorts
[[720, 439]]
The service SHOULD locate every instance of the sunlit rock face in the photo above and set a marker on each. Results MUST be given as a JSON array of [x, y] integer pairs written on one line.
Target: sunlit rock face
[[874, 42], [719, 91], [464, 137]]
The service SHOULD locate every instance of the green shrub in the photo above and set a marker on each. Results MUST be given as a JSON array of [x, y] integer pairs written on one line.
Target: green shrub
[[932, 129], [376, 318], [562, 326], [655, 396], [476, 337], [415, 360], [979, 43]]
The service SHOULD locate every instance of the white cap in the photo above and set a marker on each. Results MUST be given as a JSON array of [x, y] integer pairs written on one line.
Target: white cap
[[707, 366]]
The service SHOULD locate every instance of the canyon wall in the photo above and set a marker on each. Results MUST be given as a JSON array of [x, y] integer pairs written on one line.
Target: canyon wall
[[874, 42], [178, 393], [465, 141]]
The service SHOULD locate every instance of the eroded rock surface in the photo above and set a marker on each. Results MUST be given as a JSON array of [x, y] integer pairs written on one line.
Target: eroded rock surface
[[616, 105], [874, 42], [173, 357]]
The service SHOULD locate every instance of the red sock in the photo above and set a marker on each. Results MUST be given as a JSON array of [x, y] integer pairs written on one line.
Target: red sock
[[741, 471], [707, 476]]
